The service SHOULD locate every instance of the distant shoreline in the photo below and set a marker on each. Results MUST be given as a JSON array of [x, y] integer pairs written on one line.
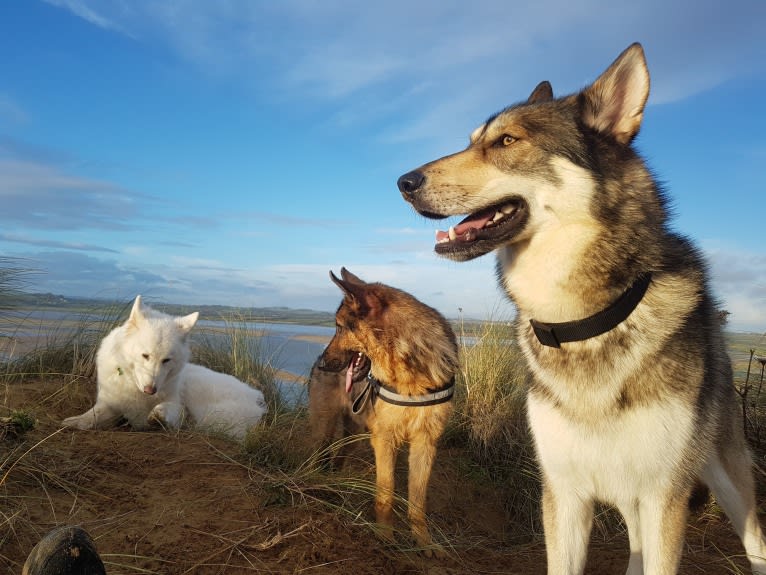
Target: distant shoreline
[[22, 335], [312, 338]]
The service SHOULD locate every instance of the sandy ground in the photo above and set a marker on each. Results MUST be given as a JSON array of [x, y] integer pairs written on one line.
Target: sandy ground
[[181, 503]]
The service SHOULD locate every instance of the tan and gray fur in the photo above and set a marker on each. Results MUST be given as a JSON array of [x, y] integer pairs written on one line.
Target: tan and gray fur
[[634, 417], [412, 350], [331, 415]]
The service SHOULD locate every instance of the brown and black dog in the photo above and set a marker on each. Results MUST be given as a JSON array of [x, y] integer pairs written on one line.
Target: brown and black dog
[[331, 409], [408, 354]]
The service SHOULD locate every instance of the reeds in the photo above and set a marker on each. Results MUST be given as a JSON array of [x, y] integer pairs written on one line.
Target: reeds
[[487, 438], [490, 416], [237, 349]]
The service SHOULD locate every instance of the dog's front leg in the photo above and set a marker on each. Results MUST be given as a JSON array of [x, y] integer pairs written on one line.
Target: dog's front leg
[[567, 521], [385, 459], [630, 513], [422, 454], [100, 416], [662, 520]]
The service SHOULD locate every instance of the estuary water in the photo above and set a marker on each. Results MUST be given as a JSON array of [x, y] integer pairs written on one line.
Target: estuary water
[[289, 348]]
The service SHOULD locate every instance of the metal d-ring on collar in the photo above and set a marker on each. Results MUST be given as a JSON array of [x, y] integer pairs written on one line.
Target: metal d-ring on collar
[[375, 389]]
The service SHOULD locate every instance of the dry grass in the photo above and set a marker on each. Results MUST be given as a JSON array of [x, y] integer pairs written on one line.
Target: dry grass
[[490, 418], [65, 348], [490, 447]]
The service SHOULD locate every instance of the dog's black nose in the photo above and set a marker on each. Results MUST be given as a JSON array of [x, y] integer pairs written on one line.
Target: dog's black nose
[[410, 182]]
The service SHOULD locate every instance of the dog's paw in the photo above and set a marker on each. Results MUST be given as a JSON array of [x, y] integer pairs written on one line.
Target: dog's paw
[[166, 414], [78, 422], [434, 551], [427, 546]]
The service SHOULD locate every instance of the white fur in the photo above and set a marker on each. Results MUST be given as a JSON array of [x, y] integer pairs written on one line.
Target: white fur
[[220, 402], [559, 233], [613, 460], [144, 377]]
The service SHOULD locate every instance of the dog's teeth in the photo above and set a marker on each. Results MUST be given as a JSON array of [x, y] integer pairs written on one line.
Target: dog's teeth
[[498, 216], [509, 209], [452, 233]]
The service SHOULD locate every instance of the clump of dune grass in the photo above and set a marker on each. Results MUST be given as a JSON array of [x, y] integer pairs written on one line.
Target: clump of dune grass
[[278, 442], [14, 275], [64, 347], [490, 415], [491, 405]]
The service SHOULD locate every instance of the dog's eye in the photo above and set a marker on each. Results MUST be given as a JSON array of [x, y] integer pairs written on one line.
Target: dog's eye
[[504, 140], [167, 359], [145, 356]]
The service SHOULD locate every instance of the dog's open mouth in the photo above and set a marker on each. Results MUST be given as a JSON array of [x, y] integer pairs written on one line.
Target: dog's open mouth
[[358, 368], [483, 231]]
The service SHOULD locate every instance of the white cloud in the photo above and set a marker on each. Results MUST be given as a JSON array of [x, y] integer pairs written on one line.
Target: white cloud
[[337, 48], [41, 196], [56, 244], [82, 9], [739, 281]]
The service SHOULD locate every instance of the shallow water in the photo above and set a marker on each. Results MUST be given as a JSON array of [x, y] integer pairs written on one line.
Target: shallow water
[[286, 347]]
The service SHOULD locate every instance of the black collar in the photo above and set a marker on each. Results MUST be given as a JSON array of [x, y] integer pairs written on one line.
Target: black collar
[[375, 389], [554, 334]]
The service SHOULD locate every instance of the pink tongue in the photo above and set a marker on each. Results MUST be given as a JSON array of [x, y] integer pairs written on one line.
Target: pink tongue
[[349, 377], [475, 221]]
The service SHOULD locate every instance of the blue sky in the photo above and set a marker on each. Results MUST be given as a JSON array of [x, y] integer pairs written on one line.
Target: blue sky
[[234, 152]]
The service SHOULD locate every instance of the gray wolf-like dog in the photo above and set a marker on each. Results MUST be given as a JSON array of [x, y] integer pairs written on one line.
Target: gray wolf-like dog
[[144, 377], [408, 353], [632, 401], [331, 406]]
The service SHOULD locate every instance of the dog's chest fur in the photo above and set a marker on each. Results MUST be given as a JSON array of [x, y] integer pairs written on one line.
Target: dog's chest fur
[[614, 458], [599, 408]]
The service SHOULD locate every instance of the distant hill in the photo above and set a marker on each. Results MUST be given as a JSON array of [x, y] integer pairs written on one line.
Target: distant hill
[[213, 312]]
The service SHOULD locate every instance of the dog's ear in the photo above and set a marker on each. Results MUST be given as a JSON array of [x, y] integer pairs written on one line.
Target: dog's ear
[[373, 304], [136, 312], [542, 93], [187, 322], [478, 132], [614, 103], [339, 282], [346, 287], [351, 278], [361, 295]]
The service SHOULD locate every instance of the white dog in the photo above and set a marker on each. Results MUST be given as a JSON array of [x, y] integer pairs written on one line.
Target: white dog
[[144, 377]]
